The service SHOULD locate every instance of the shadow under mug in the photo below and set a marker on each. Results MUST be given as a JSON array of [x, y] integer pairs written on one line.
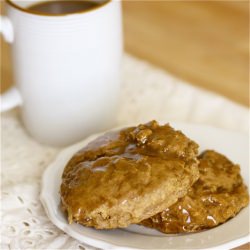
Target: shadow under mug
[[66, 70]]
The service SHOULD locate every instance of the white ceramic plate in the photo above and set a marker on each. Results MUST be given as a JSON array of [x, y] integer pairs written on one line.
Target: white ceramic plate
[[233, 233]]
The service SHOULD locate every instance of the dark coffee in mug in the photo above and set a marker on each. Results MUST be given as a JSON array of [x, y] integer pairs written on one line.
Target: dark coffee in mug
[[61, 7]]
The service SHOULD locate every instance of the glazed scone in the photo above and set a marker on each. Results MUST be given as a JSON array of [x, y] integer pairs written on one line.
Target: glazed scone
[[126, 176], [217, 196]]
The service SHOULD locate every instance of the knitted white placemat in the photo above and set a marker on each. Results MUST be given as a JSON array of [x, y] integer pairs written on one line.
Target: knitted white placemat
[[147, 93]]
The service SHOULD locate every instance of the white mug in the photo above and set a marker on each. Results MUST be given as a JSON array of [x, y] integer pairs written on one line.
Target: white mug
[[66, 70]]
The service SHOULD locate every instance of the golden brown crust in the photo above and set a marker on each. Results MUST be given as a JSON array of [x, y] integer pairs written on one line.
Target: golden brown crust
[[218, 195], [126, 176]]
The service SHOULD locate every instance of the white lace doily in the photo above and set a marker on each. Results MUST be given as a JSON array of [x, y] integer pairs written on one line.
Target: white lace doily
[[147, 93]]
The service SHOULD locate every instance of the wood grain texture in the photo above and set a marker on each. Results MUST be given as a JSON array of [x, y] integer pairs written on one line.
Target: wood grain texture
[[203, 42], [6, 77]]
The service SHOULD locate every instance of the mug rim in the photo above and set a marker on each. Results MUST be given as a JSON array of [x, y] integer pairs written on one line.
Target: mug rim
[[14, 5]]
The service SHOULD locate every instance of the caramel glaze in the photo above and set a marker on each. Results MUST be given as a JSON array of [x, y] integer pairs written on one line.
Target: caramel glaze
[[126, 176], [218, 195]]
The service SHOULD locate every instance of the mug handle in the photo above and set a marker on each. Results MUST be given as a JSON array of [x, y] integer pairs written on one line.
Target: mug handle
[[6, 29], [12, 97]]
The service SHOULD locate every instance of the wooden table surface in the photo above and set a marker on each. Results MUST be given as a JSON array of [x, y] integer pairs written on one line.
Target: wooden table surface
[[203, 42]]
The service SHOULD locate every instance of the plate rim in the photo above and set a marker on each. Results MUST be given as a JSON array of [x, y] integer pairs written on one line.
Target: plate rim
[[44, 197]]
